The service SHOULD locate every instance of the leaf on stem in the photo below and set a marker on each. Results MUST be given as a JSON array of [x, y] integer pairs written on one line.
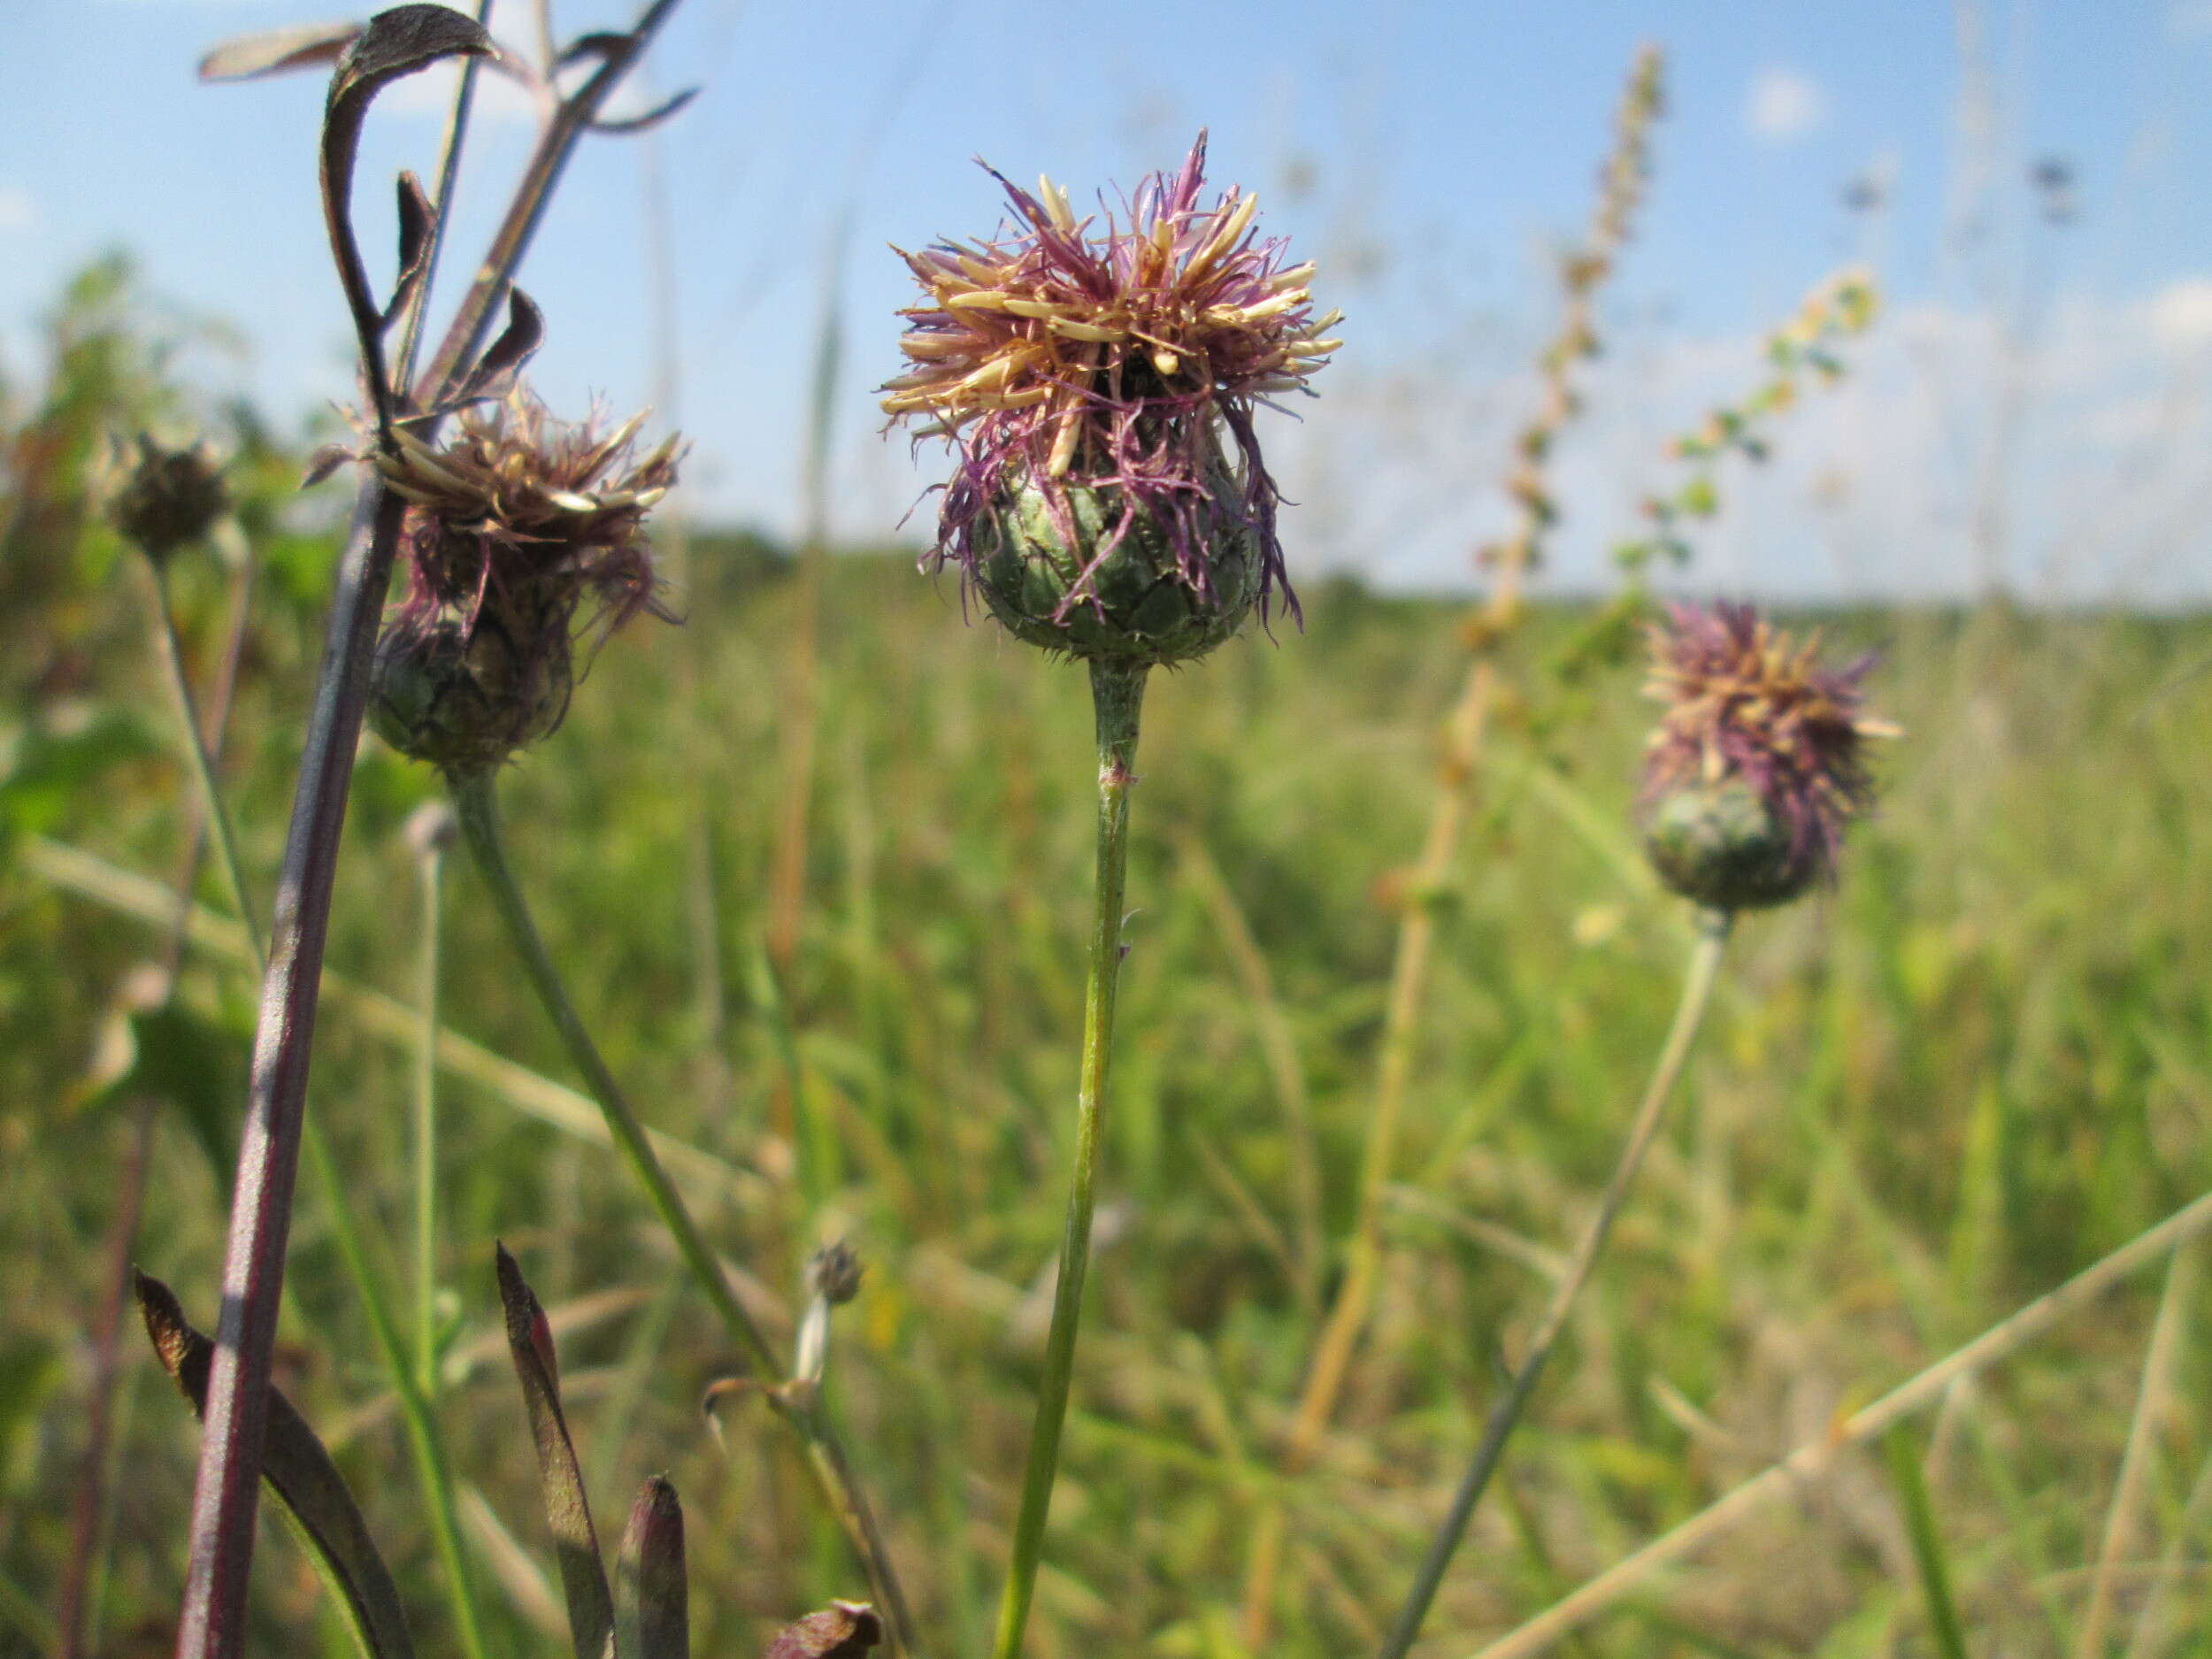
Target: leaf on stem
[[495, 372], [418, 231], [583, 1574], [396, 42], [651, 119], [300, 1474], [651, 1618], [278, 51]]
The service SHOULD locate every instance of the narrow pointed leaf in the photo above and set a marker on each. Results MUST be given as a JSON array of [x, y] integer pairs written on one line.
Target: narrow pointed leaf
[[307, 1484], [575, 1542], [278, 51], [651, 1619], [599, 44], [518, 343], [417, 226], [843, 1630], [651, 119], [396, 42]]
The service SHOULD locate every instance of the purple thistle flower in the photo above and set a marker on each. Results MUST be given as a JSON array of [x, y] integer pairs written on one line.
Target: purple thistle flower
[[1748, 708], [1068, 355]]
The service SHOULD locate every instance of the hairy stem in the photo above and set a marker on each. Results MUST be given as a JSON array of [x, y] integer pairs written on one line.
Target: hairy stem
[[1118, 695], [477, 804], [1697, 994]]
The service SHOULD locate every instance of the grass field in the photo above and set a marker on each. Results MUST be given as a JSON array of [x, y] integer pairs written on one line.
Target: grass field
[[1982, 1062]]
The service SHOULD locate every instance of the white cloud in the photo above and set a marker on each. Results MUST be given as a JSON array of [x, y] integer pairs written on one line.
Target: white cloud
[[2181, 313], [18, 209], [1784, 104]]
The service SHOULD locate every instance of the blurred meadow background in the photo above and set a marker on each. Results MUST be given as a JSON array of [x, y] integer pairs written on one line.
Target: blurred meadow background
[[818, 867]]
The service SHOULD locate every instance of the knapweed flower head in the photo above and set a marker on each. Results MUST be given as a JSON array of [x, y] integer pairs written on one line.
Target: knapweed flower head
[[522, 531], [1100, 378], [1759, 761], [162, 499]]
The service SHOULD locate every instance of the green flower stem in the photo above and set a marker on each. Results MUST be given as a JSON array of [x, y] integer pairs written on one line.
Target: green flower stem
[[1697, 994], [422, 1430], [170, 652], [423, 1438], [476, 803], [1118, 695], [433, 865]]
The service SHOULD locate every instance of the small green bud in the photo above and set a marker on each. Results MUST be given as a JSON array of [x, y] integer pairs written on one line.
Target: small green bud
[[1139, 608], [465, 699], [1725, 847], [166, 499]]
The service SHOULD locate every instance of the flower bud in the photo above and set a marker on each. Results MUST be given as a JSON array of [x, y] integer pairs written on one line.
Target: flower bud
[[1098, 575], [833, 1273], [464, 699], [1759, 763], [166, 499], [1725, 847]]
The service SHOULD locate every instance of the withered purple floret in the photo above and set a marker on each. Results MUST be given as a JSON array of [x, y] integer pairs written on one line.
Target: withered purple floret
[[1067, 352]]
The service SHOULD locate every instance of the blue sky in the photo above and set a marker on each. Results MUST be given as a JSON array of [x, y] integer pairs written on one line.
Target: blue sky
[[1428, 154]]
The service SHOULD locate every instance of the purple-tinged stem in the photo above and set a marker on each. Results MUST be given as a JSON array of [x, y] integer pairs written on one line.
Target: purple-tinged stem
[[211, 1624]]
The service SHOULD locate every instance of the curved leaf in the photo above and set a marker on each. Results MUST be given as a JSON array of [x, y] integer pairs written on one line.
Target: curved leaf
[[306, 1483], [278, 51], [575, 1542], [396, 42]]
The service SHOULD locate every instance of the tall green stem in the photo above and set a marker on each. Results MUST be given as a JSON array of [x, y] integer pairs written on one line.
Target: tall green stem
[[422, 1430], [476, 802], [1118, 695], [431, 857], [1697, 995]]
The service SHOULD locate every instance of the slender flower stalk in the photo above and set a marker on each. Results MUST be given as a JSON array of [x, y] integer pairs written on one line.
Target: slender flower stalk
[[211, 1622], [91, 1501], [1756, 768], [429, 834], [1109, 502], [477, 804], [1510, 561], [1118, 695], [1505, 1415]]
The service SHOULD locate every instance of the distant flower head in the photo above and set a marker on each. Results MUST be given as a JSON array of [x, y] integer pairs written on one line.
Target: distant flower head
[[161, 500], [1758, 763], [1097, 364], [522, 531]]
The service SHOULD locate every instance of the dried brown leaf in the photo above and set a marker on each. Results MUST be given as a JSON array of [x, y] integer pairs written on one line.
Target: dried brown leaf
[[278, 51], [396, 42], [300, 1474]]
